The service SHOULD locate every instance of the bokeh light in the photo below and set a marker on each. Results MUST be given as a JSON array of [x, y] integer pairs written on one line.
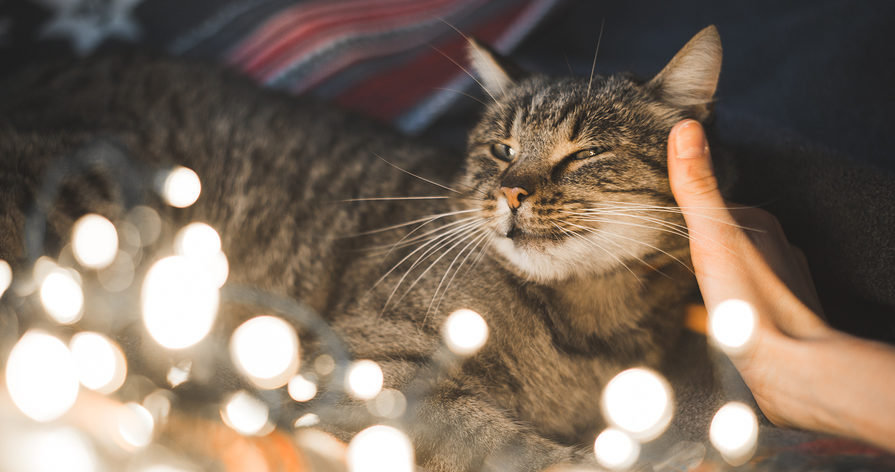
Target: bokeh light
[[179, 373], [50, 450], [390, 403], [465, 332], [148, 224], [615, 449], [94, 241], [101, 364], [380, 449], [61, 296], [246, 414], [265, 349], [364, 379], [301, 389], [638, 401], [41, 376], [180, 302], [181, 187], [197, 240], [135, 425], [307, 420], [734, 432], [732, 325], [119, 275], [5, 276]]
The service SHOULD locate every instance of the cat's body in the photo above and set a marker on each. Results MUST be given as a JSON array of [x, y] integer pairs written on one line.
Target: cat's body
[[565, 312]]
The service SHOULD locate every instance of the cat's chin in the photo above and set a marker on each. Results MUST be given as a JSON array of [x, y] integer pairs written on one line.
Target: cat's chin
[[548, 260]]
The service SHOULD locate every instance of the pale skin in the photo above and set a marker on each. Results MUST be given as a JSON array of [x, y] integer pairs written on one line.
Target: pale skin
[[802, 372]]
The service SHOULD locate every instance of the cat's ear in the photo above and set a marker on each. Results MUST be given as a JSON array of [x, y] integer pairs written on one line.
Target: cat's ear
[[495, 72], [689, 80]]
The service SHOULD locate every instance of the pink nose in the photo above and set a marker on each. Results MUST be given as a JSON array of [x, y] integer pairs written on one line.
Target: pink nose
[[514, 196]]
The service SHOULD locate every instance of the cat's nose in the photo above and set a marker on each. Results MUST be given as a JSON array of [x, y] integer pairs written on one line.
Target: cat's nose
[[514, 195]]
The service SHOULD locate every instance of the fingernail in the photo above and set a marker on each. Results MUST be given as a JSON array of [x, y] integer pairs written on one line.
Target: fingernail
[[689, 141]]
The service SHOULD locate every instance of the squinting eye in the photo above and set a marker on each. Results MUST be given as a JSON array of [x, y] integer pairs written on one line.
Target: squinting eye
[[503, 152], [587, 153]]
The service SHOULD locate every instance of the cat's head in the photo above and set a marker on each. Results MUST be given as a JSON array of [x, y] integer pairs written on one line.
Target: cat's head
[[570, 173]]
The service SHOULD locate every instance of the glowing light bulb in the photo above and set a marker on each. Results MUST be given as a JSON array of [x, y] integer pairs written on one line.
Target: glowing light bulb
[[180, 302], [181, 187], [101, 364], [53, 450], [615, 449], [245, 414], [364, 379], [639, 402], [61, 296], [41, 376], [265, 349], [734, 432], [302, 389], [380, 449], [197, 240], [94, 241], [465, 332], [5, 276], [732, 325], [135, 425]]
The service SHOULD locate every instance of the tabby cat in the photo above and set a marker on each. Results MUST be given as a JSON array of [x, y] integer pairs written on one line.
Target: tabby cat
[[558, 228]]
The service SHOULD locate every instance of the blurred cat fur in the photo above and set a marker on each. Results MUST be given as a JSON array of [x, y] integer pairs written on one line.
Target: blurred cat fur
[[559, 228]]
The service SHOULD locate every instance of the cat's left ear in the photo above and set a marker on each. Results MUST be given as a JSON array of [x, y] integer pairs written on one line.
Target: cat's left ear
[[496, 73], [689, 80]]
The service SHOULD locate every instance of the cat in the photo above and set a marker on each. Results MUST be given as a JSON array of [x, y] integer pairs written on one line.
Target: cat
[[558, 227]]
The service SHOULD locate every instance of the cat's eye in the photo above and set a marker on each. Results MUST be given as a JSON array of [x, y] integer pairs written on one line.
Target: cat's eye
[[503, 152], [587, 153]]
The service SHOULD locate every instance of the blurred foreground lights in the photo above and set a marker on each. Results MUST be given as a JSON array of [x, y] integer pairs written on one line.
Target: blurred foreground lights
[[732, 325], [465, 332], [51, 450], [364, 379], [639, 402], [41, 376], [100, 362], [380, 449], [615, 449], [181, 187], [135, 426], [301, 389], [61, 296], [179, 373], [265, 349], [734, 432], [202, 244], [180, 302], [94, 241], [245, 414], [390, 403], [5, 276]]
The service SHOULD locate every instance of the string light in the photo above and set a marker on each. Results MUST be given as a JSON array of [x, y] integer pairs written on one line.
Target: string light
[[364, 379], [135, 425], [380, 449], [245, 414], [732, 325], [197, 240], [5, 276], [301, 389], [94, 241], [179, 302], [61, 296], [181, 187], [465, 332], [41, 376], [101, 364], [734, 432], [638, 401], [615, 449], [265, 349]]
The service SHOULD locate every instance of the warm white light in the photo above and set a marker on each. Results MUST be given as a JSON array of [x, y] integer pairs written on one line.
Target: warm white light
[[180, 302], [245, 414], [181, 187], [197, 240], [148, 224], [380, 449], [5, 276], [307, 420], [94, 241], [179, 373], [615, 449], [734, 432], [101, 364], [135, 425], [465, 332], [390, 403], [364, 379], [51, 451], [639, 402], [302, 389], [265, 349], [158, 404], [41, 376], [732, 325], [119, 275], [61, 296]]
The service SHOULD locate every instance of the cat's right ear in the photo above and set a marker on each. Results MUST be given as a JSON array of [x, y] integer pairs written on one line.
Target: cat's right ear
[[496, 73], [689, 80]]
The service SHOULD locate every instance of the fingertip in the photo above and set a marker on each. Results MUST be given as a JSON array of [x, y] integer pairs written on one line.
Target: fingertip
[[687, 140]]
